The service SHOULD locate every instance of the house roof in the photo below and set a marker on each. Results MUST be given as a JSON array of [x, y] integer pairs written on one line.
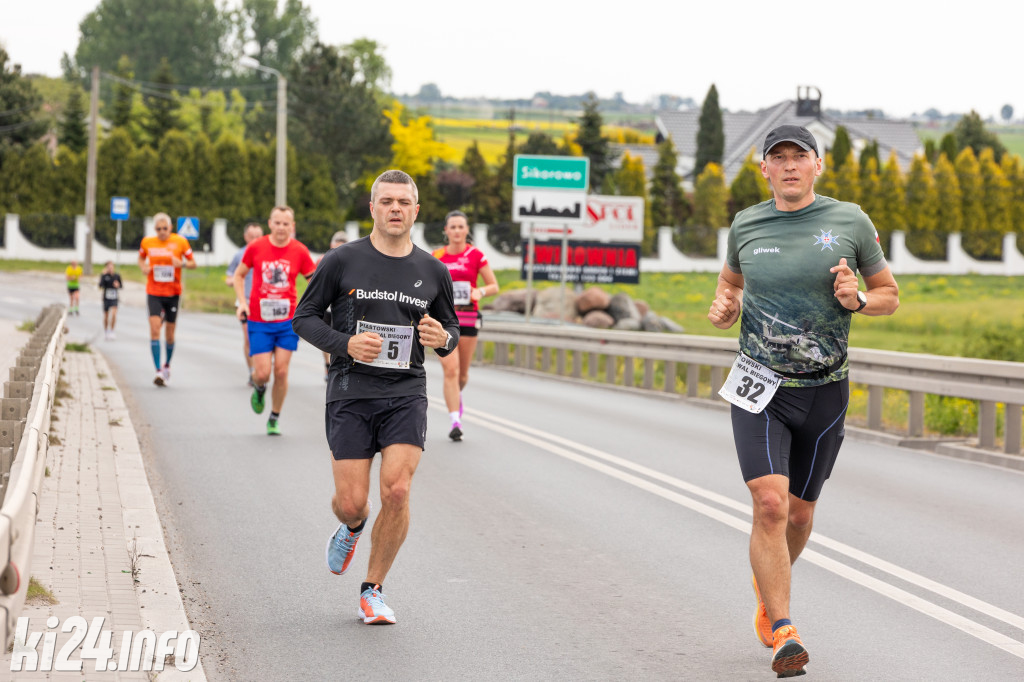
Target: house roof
[[746, 130], [647, 153]]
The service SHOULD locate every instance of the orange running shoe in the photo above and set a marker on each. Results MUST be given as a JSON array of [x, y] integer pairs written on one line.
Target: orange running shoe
[[790, 656], [762, 624]]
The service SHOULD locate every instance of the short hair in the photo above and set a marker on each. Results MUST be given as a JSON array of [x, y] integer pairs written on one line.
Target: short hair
[[283, 209], [162, 216], [252, 224], [339, 237], [395, 177]]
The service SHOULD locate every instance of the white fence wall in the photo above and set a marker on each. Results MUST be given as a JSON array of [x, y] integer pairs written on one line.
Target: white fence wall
[[670, 259]]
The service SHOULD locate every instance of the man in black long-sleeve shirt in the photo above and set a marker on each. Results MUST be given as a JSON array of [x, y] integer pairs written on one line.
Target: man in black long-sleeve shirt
[[389, 299]]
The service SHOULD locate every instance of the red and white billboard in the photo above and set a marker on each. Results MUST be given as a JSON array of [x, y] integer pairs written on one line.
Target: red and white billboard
[[607, 219]]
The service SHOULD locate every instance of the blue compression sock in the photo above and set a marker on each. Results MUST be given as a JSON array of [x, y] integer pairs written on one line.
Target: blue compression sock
[[170, 352], [154, 348]]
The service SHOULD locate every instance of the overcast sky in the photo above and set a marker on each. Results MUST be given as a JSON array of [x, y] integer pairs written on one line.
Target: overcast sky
[[900, 57]]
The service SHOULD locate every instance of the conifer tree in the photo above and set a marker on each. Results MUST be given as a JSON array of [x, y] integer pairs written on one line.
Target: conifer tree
[[996, 201], [175, 181], [710, 210], [841, 147], [970, 132], [631, 181], [143, 166], [710, 133], [33, 184], [848, 185], [888, 215], [204, 175], [949, 217], [482, 207], [968, 173], [1013, 170], [69, 181], [748, 187], [162, 104], [827, 184], [870, 185], [73, 129], [594, 144], [949, 147], [113, 175], [319, 200], [669, 207], [922, 209], [233, 192], [121, 111], [262, 177], [870, 151]]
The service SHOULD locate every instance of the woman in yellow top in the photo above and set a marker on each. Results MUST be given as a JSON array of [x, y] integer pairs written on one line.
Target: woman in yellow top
[[72, 274]]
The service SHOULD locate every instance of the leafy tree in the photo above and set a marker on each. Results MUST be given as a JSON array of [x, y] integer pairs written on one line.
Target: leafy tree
[[233, 191], [949, 217], [414, 148], [841, 147], [1006, 112], [996, 201], [211, 113], [922, 210], [968, 173], [176, 181], [631, 181], [668, 203], [870, 151], [710, 209], [339, 117], [273, 39], [970, 132], [888, 215], [848, 186], [187, 33], [748, 187], [20, 102], [73, 129], [162, 103], [593, 144], [456, 187], [948, 146], [113, 172], [263, 177], [143, 167], [121, 111], [429, 92], [371, 68], [318, 200], [482, 204], [33, 186], [710, 133]]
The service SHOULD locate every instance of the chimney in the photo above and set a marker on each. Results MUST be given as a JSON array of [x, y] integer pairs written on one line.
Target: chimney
[[806, 104]]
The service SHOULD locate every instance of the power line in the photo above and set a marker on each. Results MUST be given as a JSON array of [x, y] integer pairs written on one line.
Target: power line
[[12, 112], [145, 90]]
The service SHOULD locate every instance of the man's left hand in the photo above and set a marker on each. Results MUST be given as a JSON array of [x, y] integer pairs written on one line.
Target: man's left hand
[[432, 334], [846, 285]]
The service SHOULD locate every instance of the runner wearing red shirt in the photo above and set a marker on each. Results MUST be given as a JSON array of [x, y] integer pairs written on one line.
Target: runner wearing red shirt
[[466, 264], [276, 261]]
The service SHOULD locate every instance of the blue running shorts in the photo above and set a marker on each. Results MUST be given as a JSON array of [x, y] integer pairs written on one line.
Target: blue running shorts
[[265, 336]]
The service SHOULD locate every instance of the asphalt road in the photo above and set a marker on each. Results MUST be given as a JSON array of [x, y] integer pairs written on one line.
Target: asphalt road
[[576, 533]]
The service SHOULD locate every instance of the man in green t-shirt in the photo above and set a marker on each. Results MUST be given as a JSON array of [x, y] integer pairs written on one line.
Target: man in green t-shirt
[[790, 278]]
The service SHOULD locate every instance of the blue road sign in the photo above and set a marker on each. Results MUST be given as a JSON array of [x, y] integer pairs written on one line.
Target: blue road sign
[[119, 208], [188, 227]]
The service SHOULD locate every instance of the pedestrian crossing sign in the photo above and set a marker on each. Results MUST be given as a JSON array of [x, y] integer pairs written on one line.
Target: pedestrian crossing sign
[[188, 227]]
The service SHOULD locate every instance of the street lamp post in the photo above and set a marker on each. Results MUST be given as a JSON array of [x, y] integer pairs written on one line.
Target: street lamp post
[[281, 168]]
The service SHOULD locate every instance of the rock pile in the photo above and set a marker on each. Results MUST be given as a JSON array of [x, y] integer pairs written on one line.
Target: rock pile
[[595, 308]]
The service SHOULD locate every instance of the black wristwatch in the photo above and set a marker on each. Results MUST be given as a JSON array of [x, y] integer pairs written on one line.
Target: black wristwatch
[[863, 298]]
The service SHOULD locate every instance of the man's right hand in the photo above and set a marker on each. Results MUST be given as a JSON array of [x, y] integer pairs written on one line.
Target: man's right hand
[[365, 347]]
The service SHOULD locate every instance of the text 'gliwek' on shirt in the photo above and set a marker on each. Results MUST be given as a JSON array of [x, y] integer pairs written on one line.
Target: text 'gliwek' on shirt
[[368, 290]]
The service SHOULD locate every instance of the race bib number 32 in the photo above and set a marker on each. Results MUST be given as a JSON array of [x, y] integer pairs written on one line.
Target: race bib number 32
[[750, 385], [396, 347]]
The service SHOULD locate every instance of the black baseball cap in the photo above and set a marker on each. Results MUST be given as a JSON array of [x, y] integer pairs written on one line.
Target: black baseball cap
[[798, 135]]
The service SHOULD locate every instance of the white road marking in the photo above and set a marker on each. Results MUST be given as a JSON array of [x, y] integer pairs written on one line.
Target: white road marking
[[586, 455]]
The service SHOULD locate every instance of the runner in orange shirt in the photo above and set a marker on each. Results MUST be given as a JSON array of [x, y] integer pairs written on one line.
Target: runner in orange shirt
[[161, 258]]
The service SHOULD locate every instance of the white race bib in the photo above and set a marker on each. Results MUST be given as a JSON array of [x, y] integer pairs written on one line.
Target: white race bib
[[110, 294], [463, 293], [750, 385], [397, 344], [275, 309], [163, 273]]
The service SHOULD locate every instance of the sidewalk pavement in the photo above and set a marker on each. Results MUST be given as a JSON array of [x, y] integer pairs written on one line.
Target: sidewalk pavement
[[96, 519]]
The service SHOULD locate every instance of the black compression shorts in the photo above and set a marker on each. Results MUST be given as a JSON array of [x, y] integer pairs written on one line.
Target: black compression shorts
[[359, 428], [798, 435], [167, 306]]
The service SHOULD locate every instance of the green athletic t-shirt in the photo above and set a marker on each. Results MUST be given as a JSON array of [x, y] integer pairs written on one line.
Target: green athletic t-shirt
[[791, 320]]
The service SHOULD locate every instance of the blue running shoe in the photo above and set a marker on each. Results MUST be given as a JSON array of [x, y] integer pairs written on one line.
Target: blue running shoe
[[341, 547], [372, 608]]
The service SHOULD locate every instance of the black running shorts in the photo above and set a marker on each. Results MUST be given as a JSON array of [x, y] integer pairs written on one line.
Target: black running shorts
[[798, 435], [361, 427], [165, 305]]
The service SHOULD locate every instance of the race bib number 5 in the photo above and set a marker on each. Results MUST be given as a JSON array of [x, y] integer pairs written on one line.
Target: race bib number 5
[[397, 344], [462, 292], [750, 385]]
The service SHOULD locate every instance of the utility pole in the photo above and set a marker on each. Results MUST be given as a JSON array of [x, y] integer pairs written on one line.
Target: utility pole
[[281, 169], [90, 172]]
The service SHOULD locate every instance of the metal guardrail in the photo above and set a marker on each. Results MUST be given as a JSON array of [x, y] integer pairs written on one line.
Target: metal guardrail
[[24, 435], [562, 349]]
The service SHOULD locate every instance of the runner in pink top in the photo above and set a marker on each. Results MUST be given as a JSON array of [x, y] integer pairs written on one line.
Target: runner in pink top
[[467, 265]]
